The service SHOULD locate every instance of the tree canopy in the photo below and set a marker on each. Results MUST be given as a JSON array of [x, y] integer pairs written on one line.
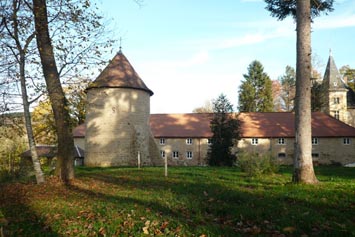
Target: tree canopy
[[280, 9], [255, 93]]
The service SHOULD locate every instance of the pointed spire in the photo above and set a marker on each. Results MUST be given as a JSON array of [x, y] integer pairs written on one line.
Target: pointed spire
[[332, 78], [119, 73], [120, 51]]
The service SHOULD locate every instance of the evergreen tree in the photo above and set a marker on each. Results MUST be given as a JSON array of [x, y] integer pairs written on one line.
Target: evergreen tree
[[255, 93], [225, 129], [288, 85], [303, 11]]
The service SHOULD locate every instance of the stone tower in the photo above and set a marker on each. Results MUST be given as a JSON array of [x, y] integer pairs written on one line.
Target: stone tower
[[335, 92], [117, 117]]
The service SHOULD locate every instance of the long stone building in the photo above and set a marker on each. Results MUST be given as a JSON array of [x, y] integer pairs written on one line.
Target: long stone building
[[119, 127]]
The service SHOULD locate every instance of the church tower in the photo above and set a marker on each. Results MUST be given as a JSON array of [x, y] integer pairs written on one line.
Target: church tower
[[117, 117], [335, 92]]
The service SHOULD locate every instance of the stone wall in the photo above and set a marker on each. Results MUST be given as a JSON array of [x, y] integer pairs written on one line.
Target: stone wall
[[117, 127], [198, 149]]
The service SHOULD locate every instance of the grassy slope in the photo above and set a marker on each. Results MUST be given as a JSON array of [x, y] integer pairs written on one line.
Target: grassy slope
[[190, 202]]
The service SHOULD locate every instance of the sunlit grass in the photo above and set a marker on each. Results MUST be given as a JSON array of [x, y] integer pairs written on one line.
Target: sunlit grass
[[192, 201]]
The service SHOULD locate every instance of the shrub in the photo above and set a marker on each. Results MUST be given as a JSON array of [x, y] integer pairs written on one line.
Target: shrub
[[255, 164]]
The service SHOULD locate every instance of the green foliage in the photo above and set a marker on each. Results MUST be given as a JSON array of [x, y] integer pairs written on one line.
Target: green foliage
[[225, 129], [10, 161], [255, 164], [281, 8], [255, 93], [288, 88], [318, 100], [348, 73], [192, 201]]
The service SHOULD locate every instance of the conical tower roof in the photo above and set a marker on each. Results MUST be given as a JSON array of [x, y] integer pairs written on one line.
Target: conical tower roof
[[332, 78], [119, 73]]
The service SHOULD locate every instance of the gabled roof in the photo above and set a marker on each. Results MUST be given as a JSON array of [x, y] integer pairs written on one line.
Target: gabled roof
[[332, 78], [181, 125], [258, 125], [281, 124], [119, 73]]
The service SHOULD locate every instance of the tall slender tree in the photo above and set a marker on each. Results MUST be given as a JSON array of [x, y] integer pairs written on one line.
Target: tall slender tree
[[255, 93], [59, 103], [303, 11], [21, 45], [288, 87]]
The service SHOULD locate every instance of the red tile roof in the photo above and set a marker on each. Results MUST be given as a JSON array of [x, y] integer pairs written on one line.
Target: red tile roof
[[267, 125], [281, 124], [119, 73], [181, 125]]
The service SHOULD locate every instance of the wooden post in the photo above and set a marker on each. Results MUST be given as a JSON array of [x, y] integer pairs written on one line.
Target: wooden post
[[166, 166], [139, 159]]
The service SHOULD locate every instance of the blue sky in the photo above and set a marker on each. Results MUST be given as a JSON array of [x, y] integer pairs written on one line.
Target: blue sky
[[191, 51]]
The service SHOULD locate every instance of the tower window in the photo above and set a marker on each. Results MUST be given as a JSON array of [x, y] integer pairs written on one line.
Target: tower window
[[336, 100], [162, 141], [336, 114], [254, 141]]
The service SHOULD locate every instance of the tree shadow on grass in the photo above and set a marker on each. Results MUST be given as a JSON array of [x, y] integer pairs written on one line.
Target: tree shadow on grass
[[21, 220], [221, 209]]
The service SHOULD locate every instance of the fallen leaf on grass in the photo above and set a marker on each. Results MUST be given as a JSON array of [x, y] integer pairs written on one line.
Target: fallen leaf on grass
[[289, 229], [145, 230]]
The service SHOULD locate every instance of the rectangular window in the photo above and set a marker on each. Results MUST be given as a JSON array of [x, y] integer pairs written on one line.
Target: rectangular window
[[162, 154], [281, 155], [314, 141], [189, 154], [336, 114], [315, 155], [175, 154], [254, 141], [336, 100], [162, 141], [189, 141], [209, 141], [346, 141], [281, 141]]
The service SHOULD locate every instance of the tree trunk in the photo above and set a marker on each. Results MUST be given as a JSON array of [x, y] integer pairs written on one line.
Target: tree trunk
[[26, 105], [26, 109], [65, 158], [303, 166]]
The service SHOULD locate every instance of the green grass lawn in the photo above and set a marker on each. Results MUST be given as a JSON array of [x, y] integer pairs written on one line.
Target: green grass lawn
[[192, 201]]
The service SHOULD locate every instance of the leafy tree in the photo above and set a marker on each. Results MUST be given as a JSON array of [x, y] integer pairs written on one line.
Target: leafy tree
[[276, 95], [255, 93], [225, 129], [18, 51], [288, 88], [318, 100], [303, 11], [65, 153], [77, 36], [348, 74], [43, 117], [206, 108]]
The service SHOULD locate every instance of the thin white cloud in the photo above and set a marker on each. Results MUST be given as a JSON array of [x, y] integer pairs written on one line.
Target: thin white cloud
[[333, 22]]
